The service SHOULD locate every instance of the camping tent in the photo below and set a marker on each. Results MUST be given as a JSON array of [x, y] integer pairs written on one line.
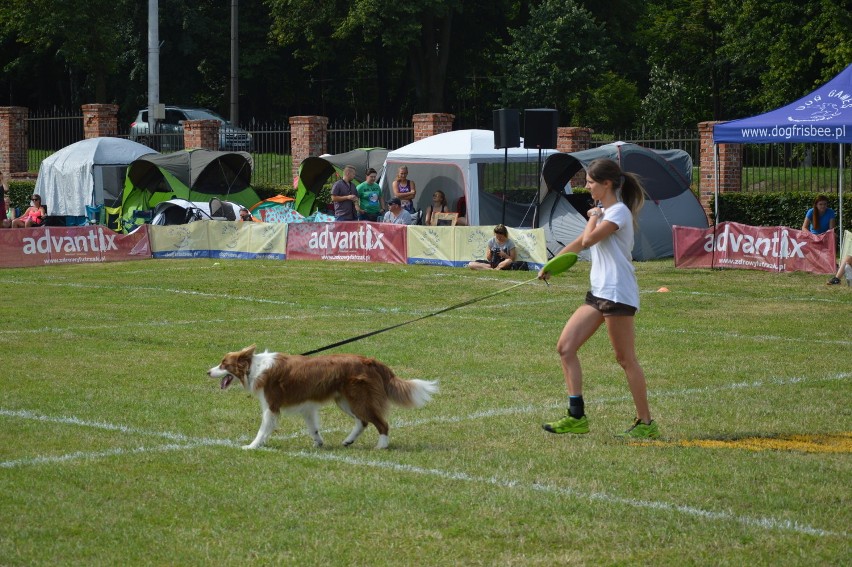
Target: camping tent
[[455, 162], [89, 172], [192, 175], [822, 116], [181, 211], [315, 171], [669, 200]]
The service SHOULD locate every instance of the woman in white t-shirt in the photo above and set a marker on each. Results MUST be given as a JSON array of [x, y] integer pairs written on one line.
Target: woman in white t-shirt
[[613, 298]]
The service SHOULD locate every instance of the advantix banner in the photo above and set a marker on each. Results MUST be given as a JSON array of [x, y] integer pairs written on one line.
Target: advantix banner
[[768, 248], [22, 247]]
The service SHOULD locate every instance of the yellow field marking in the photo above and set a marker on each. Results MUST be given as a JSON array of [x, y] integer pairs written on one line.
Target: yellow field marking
[[817, 443]]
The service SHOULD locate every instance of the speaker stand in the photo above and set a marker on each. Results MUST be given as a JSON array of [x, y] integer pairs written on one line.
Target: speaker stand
[[537, 192], [505, 181]]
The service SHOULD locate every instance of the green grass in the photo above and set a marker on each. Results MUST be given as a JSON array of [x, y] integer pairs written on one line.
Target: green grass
[[117, 449]]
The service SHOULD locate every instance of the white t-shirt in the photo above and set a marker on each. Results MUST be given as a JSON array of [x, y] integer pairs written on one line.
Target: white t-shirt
[[613, 276]]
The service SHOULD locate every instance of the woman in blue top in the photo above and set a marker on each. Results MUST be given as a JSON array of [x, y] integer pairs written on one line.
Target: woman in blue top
[[819, 218], [613, 299]]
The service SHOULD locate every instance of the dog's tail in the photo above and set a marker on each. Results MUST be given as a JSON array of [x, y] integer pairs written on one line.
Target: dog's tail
[[407, 393]]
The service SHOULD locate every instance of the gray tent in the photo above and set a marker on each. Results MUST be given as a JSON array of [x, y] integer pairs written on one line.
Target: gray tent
[[666, 176], [87, 173]]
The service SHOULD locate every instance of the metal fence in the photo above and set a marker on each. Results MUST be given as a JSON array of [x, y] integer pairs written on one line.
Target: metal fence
[[794, 167], [49, 131], [766, 167], [388, 134], [272, 155]]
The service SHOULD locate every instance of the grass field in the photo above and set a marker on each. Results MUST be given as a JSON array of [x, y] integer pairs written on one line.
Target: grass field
[[117, 449]]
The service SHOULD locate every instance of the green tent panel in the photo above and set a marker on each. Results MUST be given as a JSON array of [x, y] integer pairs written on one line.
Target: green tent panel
[[315, 171], [194, 175]]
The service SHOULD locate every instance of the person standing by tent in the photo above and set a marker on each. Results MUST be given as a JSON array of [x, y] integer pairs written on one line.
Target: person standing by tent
[[613, 299], [819, 218], [405, 189], [370, 198], [5, 218], [344, 195]]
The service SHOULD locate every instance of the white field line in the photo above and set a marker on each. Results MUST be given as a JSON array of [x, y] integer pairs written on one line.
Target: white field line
[[655, 505], [767, 523]]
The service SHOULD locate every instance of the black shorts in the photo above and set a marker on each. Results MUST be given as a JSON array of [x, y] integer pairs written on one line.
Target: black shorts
[[607, 307]]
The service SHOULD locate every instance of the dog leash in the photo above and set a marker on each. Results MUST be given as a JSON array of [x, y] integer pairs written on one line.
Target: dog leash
[[462, 304]]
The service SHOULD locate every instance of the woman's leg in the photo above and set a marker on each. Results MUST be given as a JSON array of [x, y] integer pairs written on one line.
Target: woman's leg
[[623, 339], [579, 328]]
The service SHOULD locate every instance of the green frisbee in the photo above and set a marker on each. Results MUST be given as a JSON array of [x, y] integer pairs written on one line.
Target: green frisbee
[[559, 264]]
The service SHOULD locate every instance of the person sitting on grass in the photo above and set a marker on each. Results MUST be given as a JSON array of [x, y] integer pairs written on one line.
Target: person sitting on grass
[[500, 253]]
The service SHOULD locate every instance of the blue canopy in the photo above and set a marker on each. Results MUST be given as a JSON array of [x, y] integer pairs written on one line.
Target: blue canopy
[[823, 116]]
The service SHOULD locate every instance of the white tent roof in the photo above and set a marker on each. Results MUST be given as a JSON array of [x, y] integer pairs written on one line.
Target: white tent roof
[[466, 145], [66, 181], [459, 151]]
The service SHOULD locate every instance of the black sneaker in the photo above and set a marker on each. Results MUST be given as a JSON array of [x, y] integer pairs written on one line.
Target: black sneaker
[[833, 281]]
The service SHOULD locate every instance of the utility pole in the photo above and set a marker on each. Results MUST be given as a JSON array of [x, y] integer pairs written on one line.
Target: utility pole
[[153, 68], [235, 64]]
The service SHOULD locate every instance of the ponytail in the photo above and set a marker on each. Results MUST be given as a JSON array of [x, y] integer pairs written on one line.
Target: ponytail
[[626, 184]]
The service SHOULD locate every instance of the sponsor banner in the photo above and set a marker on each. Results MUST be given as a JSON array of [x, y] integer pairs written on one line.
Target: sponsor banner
[[180, 240], [769, 248], [220, 239], [347, 241], [471, 243], [531, 245], [21, 247], [433, 245]]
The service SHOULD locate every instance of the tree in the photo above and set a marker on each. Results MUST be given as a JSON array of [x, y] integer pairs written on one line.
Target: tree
[[401, 46], [83, 36]]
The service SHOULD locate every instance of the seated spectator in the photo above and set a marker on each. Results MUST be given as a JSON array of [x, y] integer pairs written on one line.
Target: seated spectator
[[439, 205], [33, 216], [819, 218], [461, 209], [500, 253], [9, 215], [845, 266], [396, 214], [245, 215]]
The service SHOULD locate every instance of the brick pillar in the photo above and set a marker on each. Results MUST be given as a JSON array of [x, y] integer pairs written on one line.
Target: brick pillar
[[308, 137], [13, 139], [574, 139], [730, 165], [100, 120], [203, 134], [431, 123]]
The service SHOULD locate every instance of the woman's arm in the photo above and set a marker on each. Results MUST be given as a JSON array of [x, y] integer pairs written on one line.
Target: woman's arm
[[805, 224], [596, 229]]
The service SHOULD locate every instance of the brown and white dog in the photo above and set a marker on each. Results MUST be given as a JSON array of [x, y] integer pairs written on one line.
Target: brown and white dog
[[360, 386]]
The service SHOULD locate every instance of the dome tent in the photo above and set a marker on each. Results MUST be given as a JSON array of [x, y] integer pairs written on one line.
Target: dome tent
[[86, 173], [192, 175], [669, 201]]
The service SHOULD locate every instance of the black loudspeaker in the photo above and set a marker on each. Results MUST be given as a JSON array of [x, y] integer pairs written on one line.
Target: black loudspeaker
[[540, 128], [507, 128]]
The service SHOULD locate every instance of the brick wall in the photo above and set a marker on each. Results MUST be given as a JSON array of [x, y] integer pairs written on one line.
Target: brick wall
[[202, 134], [308, 137], [730, 166], [100, 120], [13, 139], [431, 123], [574, 139]]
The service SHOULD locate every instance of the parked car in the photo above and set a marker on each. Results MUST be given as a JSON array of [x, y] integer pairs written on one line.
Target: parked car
[[169, 136]]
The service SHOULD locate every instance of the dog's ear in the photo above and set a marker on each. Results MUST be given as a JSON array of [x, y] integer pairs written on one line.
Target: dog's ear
[[248, 351]]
